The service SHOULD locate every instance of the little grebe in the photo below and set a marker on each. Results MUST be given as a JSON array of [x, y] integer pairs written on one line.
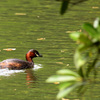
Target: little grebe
[[17, 64]]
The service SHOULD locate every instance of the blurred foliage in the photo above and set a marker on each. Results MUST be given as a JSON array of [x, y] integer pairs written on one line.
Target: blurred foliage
[[65, 4], [86, 59]]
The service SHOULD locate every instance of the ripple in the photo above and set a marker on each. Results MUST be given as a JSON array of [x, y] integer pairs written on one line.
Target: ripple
[[7, 72]]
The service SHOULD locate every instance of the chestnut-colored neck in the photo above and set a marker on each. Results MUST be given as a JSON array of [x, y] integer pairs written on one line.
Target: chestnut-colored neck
[[28, 58]]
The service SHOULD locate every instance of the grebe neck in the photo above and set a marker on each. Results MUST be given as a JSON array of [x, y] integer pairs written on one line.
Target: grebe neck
[[28, 57]]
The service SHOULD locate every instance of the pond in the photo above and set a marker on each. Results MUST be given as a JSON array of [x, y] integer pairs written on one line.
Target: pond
[[37, 24]]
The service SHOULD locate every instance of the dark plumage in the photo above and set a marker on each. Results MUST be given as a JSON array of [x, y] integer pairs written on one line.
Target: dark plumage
[[21, 64]]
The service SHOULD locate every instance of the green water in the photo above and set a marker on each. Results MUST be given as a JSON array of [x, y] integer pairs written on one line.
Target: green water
[[37, 24]]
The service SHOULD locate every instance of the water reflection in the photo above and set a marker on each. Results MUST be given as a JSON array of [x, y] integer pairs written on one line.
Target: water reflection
[[30, 78]]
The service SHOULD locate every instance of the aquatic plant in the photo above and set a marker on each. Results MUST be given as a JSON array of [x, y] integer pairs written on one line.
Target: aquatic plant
[[86, 60], [65, 4]]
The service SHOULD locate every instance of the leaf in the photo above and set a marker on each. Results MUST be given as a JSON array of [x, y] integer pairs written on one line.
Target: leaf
[[84, 39], [82, 88], [65, 85], [83, 47], [59, 78], [96, 23], [67, 72], [79, 60], [75, 35], [90, 29], [64, 6], [66, 91], [81, 38]]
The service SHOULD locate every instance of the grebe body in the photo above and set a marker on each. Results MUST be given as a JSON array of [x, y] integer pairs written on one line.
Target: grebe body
[[17, 64]]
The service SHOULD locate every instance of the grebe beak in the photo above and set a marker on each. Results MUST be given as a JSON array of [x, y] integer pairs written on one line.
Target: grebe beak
[[38, 55]]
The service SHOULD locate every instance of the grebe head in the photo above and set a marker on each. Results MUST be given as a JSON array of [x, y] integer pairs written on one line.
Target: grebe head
[[31, 54]]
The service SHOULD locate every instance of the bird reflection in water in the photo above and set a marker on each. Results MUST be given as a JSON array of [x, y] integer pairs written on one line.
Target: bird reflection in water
[[30, 78]]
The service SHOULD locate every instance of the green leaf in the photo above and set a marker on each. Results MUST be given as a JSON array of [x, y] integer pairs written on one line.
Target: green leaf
[[98, 29], [67, 72], [83, 47], [81, 38], [66, 84], [66, 91], [90, 29], [96, 23], [82, 88], [79, 60], [84, 39], [64, 6], [60, 78], [75, 35]]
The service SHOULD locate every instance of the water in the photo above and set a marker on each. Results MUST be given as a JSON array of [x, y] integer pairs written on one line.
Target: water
[[7, 72], [37, 24]]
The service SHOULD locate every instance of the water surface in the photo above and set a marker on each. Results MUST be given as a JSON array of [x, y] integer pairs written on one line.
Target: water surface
[[37, 24]]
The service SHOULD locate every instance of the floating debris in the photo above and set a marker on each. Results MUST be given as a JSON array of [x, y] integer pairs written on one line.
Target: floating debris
[[41, 39], [38, 16], [65, 99], [20, 13], [9, 49], [59, 62], [80, 30], [62, 50], [67, 65], [62, 58], [70, 31], [95, 7], [73, 31], [56, 82]]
